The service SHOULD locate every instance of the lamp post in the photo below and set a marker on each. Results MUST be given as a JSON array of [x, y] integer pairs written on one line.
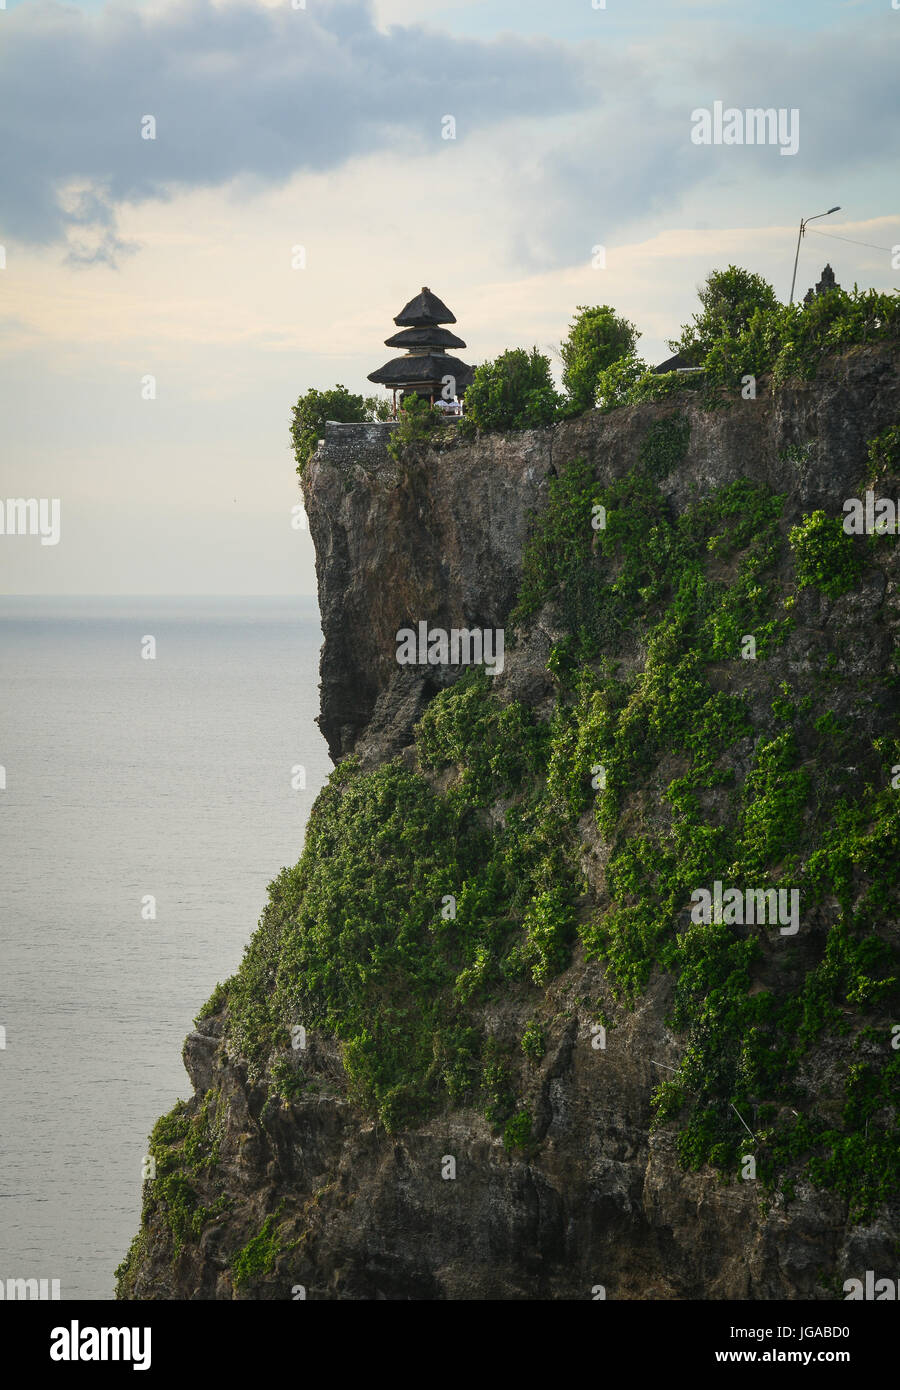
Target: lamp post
[[803, 225]]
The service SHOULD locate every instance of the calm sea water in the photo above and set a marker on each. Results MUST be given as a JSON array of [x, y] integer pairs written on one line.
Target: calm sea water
[[126, 778]]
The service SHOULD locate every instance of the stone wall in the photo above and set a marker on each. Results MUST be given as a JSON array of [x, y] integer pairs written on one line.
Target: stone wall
[[346, 445]]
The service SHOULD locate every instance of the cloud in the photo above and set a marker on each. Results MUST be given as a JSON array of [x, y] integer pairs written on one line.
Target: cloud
[[238, 91], [626, 166], [568, 145], [107, 249]]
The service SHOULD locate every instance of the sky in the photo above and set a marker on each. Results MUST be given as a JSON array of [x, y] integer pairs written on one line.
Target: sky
[[324, 127]]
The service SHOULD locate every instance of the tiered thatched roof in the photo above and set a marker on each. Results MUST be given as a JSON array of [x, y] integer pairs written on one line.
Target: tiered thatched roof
[[427, 364], [424, 337], [425, 309], [423, 370]]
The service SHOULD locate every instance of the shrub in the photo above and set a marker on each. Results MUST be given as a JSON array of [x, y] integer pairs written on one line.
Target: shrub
[[791, 341], [550, 923], [597, 339], [824, 555], [517, 1134], [615, 384], [514, 392], [213, 1004], [258, 1256], [533, 1042], [418, 422], [884, 454], [729, 298]]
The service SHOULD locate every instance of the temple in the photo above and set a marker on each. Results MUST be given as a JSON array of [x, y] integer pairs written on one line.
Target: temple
[[426, 369], [826, 283]]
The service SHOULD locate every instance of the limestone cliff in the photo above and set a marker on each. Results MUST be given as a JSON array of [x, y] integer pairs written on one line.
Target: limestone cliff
[[396, 1103]]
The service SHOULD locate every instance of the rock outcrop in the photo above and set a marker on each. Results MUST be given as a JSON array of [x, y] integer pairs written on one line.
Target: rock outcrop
[[308, 1194]]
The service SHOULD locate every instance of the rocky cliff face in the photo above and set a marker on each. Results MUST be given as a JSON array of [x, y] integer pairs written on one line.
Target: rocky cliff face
[[283, 1178], [440, 538]]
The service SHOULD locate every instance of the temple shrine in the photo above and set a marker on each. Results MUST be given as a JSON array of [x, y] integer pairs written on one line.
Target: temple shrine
[[826, 283], [426, 369]]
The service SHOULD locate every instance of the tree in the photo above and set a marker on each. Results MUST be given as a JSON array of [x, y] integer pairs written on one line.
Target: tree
[[378, 408], [418, 422], [616, 384], [597, 338], [315, 407], [729, 298], [514, 392]]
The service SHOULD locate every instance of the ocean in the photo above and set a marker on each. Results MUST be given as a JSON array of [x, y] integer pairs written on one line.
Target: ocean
[[133, 786]]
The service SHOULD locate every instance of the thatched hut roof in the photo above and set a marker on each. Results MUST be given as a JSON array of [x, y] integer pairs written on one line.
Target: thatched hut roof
[[424, 310], [423, 369], [424, 337], [671, 364]]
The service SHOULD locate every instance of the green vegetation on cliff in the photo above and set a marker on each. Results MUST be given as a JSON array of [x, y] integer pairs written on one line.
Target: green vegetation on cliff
[[514, 392], [743, 333], [437, 899], [414, 907], [183, 1152]]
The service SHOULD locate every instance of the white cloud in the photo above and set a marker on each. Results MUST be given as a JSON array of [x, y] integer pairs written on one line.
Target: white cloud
[[236, 90]]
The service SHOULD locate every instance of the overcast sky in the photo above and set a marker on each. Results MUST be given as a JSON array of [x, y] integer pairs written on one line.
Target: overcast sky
[[322, 127]]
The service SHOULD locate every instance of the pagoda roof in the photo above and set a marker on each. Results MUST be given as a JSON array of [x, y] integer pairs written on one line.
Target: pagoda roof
[[425, 309], [424, 337], [422, 369]]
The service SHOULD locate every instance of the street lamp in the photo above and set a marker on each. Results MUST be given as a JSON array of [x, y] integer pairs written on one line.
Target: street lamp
[[803, 225]]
